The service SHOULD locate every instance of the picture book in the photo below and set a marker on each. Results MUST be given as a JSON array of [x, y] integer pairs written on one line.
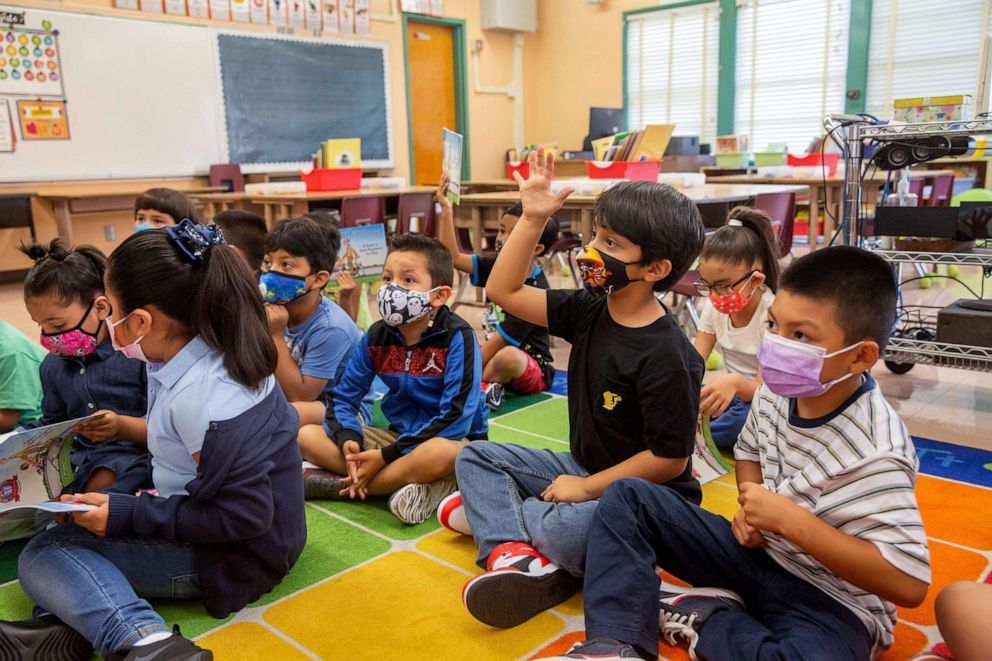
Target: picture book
[[34, 467], [363, 252], [452, 164], [653, 142], [342, 153], [707, 462]]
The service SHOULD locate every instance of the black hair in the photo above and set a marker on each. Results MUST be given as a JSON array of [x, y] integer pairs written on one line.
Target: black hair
[[663, 222], [751, 241], [551, 229], [216, 299], [168, 201], [306, 237], [861, 286], [439, 263], [246, 231], [70, 275]]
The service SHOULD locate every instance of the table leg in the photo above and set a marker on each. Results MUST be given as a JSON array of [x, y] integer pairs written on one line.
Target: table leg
[[585, 225], [476, 230], [63, 218], [814, 215], [267, 211], [829, 210]]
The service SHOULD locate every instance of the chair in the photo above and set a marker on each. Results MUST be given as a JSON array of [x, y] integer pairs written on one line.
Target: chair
[[683, 306], [781, 208], [464, 240], [356, 211], [566, 247], [419, 206], [229, 176], [916, 188], [941, 190]]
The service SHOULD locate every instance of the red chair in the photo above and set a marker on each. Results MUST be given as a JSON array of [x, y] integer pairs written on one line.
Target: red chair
[[941, 190], [781, 208], [229, 176], [684, 293], [419, 206], [916, 188], [356, 211], [565, 248]]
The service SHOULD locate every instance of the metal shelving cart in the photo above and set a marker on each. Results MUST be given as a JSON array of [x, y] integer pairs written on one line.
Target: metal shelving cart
[[914, 340]]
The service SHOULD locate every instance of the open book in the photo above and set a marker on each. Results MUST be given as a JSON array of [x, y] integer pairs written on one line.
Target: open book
[[707, 462], [34, 467]]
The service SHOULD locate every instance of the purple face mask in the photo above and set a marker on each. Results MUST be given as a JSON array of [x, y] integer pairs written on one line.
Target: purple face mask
[[792, 369]]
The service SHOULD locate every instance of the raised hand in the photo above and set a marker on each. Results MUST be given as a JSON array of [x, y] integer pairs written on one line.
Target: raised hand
[[538, 201]]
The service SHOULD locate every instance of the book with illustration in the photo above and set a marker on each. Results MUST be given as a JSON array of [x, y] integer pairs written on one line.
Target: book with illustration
[[452, 164]]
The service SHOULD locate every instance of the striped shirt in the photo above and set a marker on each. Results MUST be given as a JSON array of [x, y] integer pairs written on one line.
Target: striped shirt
[[854, 469]]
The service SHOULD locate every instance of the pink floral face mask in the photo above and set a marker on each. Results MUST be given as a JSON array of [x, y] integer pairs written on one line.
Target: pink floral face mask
[[73, 343]]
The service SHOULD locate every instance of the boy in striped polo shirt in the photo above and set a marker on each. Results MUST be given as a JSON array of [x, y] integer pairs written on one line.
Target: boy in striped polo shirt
[[828, 536]]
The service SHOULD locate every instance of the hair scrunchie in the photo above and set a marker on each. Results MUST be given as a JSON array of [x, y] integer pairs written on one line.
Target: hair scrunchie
[[195, 241]]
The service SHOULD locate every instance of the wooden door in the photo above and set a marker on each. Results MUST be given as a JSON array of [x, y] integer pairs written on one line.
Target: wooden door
[[431, 62]]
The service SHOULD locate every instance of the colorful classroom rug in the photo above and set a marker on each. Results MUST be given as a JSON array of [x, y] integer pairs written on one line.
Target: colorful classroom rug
[[368, 586]]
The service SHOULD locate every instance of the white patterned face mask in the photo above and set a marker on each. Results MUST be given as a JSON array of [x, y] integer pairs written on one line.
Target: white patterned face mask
[[399, 306]]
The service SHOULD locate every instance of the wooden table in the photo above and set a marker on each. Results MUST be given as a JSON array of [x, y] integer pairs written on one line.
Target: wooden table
[[473, 205]]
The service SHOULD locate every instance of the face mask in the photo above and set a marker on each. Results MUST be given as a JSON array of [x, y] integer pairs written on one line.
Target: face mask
[[133, 350], [73, 343], [499, 245], [281, 287], [731, 303], [602, 273], [399, 306], [792, 369], [142, 227]]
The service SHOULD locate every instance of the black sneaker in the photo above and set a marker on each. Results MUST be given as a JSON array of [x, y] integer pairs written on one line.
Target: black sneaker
[[46, 637], [685, 610], [602, 649], [173, 648], [495, 396], [322, 484]]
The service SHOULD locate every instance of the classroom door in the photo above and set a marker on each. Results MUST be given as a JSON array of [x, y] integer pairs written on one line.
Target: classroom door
[[433, 104]]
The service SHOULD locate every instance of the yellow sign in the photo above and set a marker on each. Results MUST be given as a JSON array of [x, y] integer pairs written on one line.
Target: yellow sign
[[43, 120]]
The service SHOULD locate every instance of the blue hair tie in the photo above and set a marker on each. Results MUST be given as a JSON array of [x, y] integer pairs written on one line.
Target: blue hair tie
[[195, 240]]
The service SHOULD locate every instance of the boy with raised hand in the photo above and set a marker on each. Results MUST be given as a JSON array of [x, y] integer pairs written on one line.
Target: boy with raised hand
[[516, 353], [633, 393], [828, 536], [429, 359]]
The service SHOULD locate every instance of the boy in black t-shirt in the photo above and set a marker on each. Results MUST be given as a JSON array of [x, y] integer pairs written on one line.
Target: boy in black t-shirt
[[633, 394], [515, 352]]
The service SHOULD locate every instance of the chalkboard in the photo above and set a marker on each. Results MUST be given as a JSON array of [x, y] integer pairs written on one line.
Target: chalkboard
[[284, 96]]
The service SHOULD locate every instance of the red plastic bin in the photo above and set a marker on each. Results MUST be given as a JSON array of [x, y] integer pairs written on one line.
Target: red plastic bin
[[632, 170], [325, 179], [523, 167], [816, 159]]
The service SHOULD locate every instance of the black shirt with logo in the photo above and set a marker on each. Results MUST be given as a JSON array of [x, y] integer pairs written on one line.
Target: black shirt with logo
[[629, 389]]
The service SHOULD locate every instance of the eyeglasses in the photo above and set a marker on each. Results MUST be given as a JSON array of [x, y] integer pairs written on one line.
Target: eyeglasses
[[704, 288]]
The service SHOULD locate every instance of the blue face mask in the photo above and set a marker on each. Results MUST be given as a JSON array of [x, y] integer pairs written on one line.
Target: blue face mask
[[142, 227], [281, 287]]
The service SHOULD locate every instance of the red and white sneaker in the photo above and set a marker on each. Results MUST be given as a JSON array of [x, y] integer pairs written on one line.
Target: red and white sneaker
[[519, 583], [451, 514]]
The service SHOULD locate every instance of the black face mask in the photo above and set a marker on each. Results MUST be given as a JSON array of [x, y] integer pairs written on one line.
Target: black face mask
[[601, 273]]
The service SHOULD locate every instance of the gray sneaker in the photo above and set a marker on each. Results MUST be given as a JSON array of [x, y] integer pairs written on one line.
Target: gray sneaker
[[684, 610], [415, 503], [602, 649]]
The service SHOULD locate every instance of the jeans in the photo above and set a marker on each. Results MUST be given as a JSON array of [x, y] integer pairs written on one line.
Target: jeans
[[728, 426], [93, 584], [639, 525], [501, 487]]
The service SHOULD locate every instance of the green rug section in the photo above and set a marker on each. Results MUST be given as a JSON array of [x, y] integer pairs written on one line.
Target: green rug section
[[8, 559], [514, 403], [14, 604], [374, 514]]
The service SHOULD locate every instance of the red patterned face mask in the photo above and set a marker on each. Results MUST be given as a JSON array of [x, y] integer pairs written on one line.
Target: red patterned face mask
[[734, 302]]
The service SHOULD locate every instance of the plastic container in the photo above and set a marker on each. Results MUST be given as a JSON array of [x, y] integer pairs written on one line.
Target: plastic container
[[831, 159], [523, 167], [764, 158], [326, 179], [737, 159], [630, 170]]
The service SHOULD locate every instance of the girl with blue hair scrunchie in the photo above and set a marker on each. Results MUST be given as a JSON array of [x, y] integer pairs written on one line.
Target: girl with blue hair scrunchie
[[225, 522]]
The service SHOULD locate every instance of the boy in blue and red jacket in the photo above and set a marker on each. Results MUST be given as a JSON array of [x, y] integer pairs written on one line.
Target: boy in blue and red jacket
[[429, 359]]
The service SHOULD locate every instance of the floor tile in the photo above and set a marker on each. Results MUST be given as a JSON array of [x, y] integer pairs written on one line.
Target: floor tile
[[228, 644]]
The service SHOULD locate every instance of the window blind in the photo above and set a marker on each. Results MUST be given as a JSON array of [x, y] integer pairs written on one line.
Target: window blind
[[791, 69], [672, 69]]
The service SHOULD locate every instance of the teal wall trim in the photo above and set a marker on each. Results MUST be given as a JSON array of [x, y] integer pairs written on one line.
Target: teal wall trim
[[857, 55], [727, 86]]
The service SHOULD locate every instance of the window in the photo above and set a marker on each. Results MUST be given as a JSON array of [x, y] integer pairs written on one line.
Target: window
[[672, 69], [791, 69], [917, 50]]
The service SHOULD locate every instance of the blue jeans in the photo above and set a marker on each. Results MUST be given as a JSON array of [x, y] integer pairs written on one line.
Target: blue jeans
[[501, 487], [728, 426], [92, 584], [639, 525]]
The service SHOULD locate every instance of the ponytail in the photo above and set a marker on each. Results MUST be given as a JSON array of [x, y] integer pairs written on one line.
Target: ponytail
[[748, 240], [207, 288], [70, 275]]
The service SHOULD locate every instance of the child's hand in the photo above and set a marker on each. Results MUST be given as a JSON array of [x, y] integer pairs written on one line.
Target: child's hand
[[350, 449], [346, 282], [367, 464], [95, 520], [567, 489], [717, 395], [535, 192], [441, 195], [278, 317], [104, 428], [746, 534], [768, 511]]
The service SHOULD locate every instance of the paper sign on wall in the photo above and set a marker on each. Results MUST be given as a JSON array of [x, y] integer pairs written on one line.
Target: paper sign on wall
[[330, 15], [346, 16], [361, 16], [126, 4], [437, 8], [198, 8], [43, 120], [175, 7], [278, 13], [240, 11], [30, 63], [312, 8], [220, 10], [423, 6], [260, 11], [152, 6], [297, 13], [6, 127]]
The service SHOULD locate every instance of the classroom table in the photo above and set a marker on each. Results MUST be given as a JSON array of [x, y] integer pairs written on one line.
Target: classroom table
[[472, 206]]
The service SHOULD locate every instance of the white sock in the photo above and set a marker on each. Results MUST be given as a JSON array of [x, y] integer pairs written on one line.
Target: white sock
[[153, 638]]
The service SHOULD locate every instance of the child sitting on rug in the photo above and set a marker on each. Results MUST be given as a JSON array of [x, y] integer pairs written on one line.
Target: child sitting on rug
[[738, 271], [161, 207], [429, 360], [245, 232], [516, 353], [633, 392], [828, 536]]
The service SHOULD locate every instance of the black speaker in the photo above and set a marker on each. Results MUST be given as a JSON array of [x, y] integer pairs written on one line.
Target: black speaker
[[910, 151], [894, 156]]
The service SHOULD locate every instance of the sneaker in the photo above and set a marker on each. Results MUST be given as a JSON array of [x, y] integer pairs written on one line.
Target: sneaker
[[602, 649], [684, 610], [322, 484], [519, 583], [415, 503], [495, 396], [173, 648], [45, 637], [451, 514]]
